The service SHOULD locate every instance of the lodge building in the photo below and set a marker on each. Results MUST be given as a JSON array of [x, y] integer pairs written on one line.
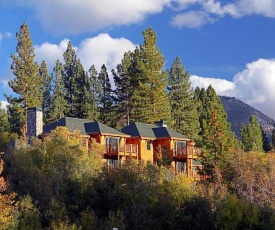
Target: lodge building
[[143, 142]]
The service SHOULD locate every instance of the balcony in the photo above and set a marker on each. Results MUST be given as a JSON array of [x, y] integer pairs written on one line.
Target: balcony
[[122, 150], [190, 152]]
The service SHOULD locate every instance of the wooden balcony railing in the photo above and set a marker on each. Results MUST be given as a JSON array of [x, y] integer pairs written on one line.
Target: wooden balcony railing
[[115, 149], [193, 151]]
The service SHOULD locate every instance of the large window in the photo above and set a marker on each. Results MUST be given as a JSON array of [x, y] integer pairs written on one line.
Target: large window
[[179, 148], [112, 144], [112, 140]]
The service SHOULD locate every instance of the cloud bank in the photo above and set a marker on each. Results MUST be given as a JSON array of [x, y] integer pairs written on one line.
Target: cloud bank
[[254, 85], [75, 17], [98, 50]]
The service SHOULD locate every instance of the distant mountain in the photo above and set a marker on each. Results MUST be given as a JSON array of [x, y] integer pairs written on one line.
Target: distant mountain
[[239, 113]]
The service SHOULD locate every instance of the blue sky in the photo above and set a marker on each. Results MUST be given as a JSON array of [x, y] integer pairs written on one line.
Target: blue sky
[[229, 44]]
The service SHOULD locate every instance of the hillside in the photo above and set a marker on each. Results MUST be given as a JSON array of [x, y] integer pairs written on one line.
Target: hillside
[[239, 113]]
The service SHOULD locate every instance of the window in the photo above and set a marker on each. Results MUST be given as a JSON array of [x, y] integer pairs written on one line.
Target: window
[[112, 144], [181, 167], [179, 148], [148, 145]]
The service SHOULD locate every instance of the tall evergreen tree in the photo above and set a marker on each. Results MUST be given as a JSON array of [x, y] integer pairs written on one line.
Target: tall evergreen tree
[[79, 96], [184, 113], [46, 90], [27, 83], [149, 100], [123, 90], [251, 136], [217, 137], [92, 91], [105, 98], [58, 108], [69, 78]]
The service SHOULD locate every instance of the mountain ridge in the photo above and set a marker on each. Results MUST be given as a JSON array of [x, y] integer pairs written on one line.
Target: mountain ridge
[[239, 113]]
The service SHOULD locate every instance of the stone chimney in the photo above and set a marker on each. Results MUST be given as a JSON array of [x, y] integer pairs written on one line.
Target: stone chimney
[[161, 123], [34, 122]]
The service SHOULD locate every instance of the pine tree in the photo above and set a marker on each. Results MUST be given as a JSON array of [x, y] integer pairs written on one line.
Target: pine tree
[[79, 96], [46, 89], [58, 107], [217, 137], [123, 91], [105, 98], [69, 78], [149, 100], [184, 113], [27, 83], [93, 90], [251, 136]]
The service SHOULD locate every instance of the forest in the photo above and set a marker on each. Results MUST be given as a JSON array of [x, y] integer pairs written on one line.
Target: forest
[[58, 184]]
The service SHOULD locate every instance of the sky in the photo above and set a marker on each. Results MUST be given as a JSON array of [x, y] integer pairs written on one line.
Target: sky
[[228, 44]]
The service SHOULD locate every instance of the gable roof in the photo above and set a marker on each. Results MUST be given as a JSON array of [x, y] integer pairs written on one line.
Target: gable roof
[[142, 130], [162, 132], [99, 128], [85, 126], [70, 123]]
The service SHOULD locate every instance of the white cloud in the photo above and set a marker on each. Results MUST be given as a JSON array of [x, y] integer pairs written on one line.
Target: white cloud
[[77, 16], [103, 49], [50, 53], [192, 19], [96, 51], [221, 86], [255, 85], [263, 7], [209, 11]]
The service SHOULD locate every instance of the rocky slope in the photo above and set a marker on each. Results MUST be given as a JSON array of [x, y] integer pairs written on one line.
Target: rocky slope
[[239, 113]]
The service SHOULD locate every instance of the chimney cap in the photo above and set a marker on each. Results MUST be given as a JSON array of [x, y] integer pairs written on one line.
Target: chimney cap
[[161, 123]]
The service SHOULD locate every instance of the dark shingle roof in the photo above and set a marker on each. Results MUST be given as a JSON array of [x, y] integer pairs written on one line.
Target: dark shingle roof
[[85, 126], [137, 129], [97, 127], [70, 123], [161, 132]]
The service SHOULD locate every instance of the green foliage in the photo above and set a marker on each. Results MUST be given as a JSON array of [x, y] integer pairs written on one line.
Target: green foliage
[[105, 98], [55, 173], [236, 213], [28, 215], [91, 91], [4, 130], [251, 136], [122, 92], [149, 100], [184, 113], [46, 90], [58, 107], [217, 139], [27, 83]]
